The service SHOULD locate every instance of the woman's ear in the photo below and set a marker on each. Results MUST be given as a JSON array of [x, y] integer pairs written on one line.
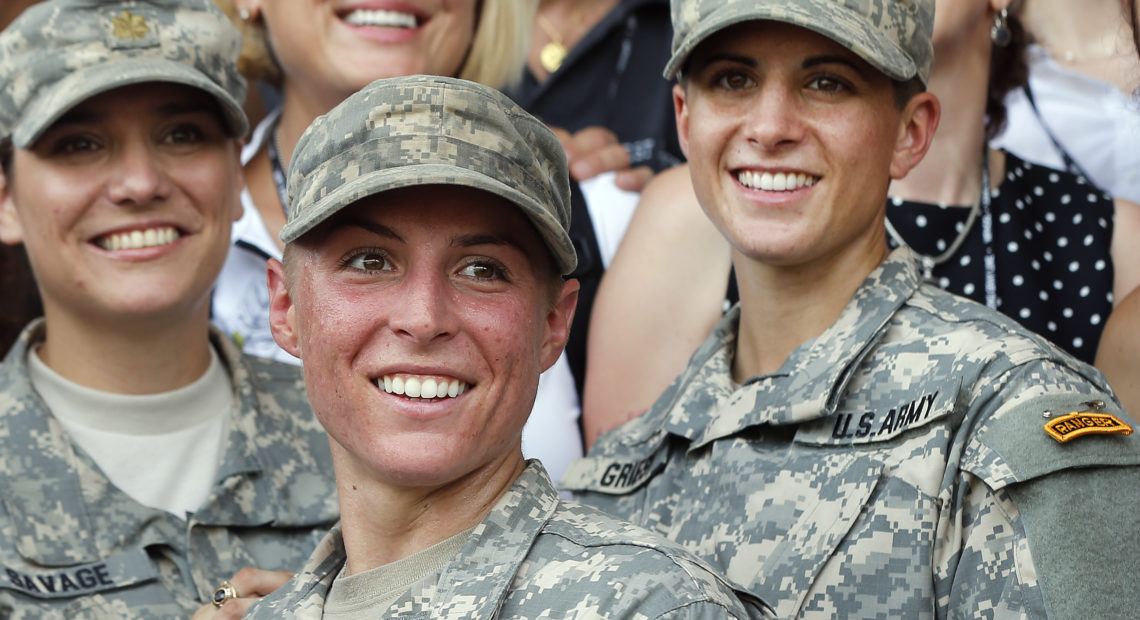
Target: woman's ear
[[918, 121], [11, 231], [282, 313]]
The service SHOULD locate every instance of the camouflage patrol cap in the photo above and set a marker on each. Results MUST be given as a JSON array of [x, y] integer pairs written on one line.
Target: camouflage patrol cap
[[429, 130], [59, 53], [891, 35]]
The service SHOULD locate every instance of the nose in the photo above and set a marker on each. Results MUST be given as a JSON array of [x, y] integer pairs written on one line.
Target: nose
[[775, 121], [425, 311], [138, 177]]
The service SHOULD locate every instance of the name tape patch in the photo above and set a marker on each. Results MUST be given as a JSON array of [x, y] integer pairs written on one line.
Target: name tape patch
[[1081, 423], [126, 568], [69, 582]]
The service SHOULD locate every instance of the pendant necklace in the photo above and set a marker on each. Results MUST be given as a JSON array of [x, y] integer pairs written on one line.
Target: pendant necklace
[[554, 52]]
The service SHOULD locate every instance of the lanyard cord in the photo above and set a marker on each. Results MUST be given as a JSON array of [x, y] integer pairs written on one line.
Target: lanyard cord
[[275, 163]]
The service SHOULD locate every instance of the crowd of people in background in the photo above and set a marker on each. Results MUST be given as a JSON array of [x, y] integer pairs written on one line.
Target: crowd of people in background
[[782, 306]]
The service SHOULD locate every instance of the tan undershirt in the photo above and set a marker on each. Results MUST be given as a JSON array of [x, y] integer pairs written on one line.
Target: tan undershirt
[[371, 593]]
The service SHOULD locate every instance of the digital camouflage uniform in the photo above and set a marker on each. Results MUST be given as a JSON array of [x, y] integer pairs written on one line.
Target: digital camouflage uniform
[[533, 555], [72, 545], [897, 466], [537, 556]]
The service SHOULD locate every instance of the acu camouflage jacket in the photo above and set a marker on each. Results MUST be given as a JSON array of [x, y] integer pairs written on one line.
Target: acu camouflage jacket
[[74, 546], [898, 465]]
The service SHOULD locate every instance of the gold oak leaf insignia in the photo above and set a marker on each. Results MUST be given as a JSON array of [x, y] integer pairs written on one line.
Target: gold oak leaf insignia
[[129, 26]]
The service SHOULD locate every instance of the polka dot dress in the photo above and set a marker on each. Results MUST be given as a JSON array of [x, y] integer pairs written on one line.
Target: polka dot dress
[[1051, 238]]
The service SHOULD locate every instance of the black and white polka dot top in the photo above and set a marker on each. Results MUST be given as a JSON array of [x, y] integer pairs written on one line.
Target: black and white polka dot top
[[1052, 233]]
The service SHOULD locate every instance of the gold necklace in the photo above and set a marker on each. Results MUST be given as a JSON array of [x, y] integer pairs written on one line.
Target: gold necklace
[[554, 52]]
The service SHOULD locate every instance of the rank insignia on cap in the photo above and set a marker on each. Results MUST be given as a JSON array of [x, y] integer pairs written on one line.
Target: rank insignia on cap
[[1080, 423], [129, 27]]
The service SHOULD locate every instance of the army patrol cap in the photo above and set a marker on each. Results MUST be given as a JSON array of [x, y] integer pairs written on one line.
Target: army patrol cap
[[891, 35], [429, 130], [59, 53]]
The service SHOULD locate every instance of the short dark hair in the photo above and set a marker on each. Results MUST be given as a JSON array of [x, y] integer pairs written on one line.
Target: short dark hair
[[905, 90]]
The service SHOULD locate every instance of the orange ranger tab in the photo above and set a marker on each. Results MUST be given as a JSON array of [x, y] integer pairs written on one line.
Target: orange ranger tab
[[1079, 423]]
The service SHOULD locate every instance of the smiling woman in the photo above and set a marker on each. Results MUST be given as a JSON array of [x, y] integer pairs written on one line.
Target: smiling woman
[[437, 265], [125, 414]]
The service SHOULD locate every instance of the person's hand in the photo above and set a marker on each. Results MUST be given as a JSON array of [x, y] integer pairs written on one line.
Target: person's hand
[[593, 150], [250, 584]]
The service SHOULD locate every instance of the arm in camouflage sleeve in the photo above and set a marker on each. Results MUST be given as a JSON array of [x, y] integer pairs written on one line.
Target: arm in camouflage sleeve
[[1081, 525], [1045, 524]]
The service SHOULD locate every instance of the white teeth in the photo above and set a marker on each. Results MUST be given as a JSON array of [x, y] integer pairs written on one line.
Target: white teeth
[[137, 239], [427, 388], [775, 182], [392, 19], [412, 387]]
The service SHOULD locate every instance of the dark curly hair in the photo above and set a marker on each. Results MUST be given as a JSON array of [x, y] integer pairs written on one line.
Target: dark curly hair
[[1009, 70]]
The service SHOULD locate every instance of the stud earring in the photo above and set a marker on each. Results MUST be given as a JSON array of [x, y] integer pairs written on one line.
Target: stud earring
[[999, 32], [244, 14]]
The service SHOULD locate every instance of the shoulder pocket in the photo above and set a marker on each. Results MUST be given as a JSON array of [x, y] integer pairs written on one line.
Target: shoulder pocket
[[1016, 444]]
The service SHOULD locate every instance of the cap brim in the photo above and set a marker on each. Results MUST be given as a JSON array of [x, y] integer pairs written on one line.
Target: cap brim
[[50, 105], [414, 175], [826, 17]]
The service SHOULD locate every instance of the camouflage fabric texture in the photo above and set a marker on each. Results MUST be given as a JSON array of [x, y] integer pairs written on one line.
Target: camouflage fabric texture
[[425, 130], [59, 53], [76, 547], [892, 35], [896, 466], [538, 556]]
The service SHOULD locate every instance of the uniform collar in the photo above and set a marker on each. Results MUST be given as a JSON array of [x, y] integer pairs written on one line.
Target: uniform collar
[[49, 488], [41, 485], [811, 381], [272, 434], [502, 540]]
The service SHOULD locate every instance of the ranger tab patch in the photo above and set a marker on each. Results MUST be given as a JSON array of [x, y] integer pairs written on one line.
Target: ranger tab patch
[[1080, 423]]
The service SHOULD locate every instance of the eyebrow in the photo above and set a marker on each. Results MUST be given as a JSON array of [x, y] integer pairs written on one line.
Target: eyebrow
[[813, 61], [828, 59], [726, 57], [461, 241], [368, 225], [467, 241]]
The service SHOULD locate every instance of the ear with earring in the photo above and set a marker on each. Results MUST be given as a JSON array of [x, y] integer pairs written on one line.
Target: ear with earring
[[999, 32], [246, 14]]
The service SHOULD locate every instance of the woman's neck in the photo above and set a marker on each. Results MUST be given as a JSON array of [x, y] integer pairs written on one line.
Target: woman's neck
[[782, 308], [1092, 37], [1085, 28], [950, 173], [383, 523], [299, 108], [128, 355], [564, 22]]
